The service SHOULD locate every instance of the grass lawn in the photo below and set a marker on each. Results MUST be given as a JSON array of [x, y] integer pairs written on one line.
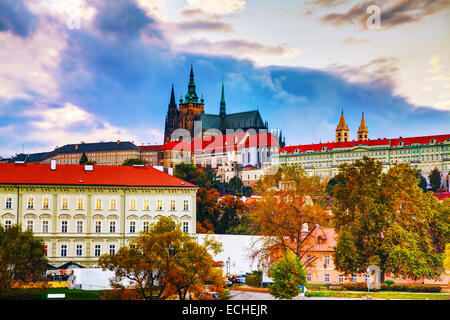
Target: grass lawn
[[380, 295], [38, 294]]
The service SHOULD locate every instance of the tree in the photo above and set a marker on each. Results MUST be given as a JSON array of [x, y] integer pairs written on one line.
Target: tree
[[230, 211], [207, 209], [290, 201], [84, 158], [164, 261], [330, 185], [21, 257], [385, 219], [288, 274], [422, 181], [185, 171], [132, 161], [435, 179]]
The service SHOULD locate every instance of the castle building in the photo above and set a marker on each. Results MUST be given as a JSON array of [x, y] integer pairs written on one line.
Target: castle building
[[323, 159], [191, 109], [84, 211]]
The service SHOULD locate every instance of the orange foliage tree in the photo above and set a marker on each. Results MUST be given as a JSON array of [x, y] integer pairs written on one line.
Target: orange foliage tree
[[288, 214]]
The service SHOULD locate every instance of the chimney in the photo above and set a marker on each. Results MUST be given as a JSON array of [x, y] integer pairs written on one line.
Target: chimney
[[53, 165]]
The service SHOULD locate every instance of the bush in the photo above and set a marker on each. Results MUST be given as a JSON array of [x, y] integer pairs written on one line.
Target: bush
[[389, 282], [355, 286], [411, 287], [253, 280]]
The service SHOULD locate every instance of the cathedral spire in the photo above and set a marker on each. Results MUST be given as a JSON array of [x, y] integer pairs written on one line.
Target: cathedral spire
[[172, 98], [342, 131], [191, 96], [363, 132], [222, 102]]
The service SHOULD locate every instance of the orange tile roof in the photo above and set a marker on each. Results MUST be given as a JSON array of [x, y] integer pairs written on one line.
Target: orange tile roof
[[137, 176]]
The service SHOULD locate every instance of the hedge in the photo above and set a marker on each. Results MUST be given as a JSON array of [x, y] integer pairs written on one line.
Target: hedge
[[253, 280], [407, 287]]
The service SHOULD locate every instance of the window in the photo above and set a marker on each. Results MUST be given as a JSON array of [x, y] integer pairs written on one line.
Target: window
[[97, 250], [159, 205], [7, 224], [172, 205], [112, 226], [65, 203], [79, 251], [45, 226], [46, 250], [367, 277], [132, 204], [30, 225], [80, 204], [327, 278], [132, 227], [98, 226], [353, 278], [98, 204], [112, 249], [186, 205], [8, 203], [146, 204], [327, 259], [308, 277], [112, 204], [341, 278], [64, 226], [146, 226], [185, 226], [45, 203], [30, 204], [79, 226], [63, 250]]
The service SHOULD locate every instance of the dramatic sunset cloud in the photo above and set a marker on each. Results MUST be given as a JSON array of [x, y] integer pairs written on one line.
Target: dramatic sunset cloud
[[98, 70]]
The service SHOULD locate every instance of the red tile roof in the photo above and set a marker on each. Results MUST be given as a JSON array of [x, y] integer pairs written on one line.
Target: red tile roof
[[33, 173], [150, 148], [380, 142]]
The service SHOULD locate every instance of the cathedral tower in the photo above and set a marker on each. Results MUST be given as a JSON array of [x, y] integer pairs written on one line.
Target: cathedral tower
[[363, 132], [171, 118], [342, 132]]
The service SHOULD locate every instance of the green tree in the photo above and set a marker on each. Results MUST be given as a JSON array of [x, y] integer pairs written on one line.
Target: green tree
[[132, 161], [230, 211], [185, 171], [422, 181], [21, 257], [84, 158], [385, 219], [330, 185], [435, 179], [288, 274]]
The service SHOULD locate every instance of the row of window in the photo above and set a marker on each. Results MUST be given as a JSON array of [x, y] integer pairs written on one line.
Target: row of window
[[341, 278], [99, 204], [98, 226], [79, 252]]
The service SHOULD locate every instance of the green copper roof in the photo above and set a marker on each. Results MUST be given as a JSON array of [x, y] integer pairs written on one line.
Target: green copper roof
[[191, 95]]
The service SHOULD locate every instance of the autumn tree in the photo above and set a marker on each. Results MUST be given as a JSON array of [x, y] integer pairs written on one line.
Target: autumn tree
[[162, 262], [288, 214], [385, 219], [207, 210], [435, 179], [288, 274], [21, 257], [422, 181]]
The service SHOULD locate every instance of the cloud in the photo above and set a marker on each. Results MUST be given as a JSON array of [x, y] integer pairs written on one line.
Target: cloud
[[216, 7], [443, 105], [398, 13], [351, 41], [203, 25], [124, 19], [15, 17], [241, 48], [51, 126]]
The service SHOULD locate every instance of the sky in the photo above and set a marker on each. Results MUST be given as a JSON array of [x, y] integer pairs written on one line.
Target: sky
[[98, 70]]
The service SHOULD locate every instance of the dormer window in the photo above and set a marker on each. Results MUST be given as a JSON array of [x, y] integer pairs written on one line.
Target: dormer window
[[401, 143], [432, 141]]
